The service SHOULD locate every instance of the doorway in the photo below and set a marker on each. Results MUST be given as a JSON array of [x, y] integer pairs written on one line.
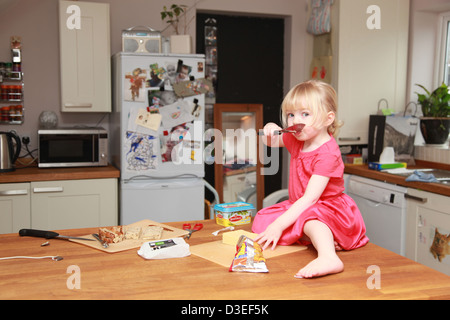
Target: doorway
[[250, 64]]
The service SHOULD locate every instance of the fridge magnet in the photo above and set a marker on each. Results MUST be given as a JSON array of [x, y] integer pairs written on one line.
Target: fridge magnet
[[183, 72], [192, 88], [170, 141], [134, 87], [196, 109], [157, 75], [440, 246], [147, 119], [171, 75], [161, 98], [191, 151], [141, 150], [176, 114]]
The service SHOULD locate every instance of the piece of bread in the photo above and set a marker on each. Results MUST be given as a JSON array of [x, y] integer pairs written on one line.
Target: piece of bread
[[133, 233], [111, 234], [232, 237], [152, 233]]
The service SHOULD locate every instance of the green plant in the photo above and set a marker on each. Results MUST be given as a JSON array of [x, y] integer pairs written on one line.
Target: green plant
[[173, 15], [435, 104]]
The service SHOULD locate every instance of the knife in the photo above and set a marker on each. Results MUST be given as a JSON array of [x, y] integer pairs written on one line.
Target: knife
[[47, 234]]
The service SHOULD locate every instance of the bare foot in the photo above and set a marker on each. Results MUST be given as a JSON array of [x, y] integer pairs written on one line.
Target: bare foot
[[321, 266]]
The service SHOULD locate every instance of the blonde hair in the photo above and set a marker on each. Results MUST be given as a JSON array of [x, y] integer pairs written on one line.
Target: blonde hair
[[317, 96]]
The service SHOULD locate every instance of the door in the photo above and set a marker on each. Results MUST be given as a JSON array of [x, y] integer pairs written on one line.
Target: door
[[173, 145], [14, 207], [428, 229], [85, 57], [250, 69], [68, 204], [237, 148], [162, 200]]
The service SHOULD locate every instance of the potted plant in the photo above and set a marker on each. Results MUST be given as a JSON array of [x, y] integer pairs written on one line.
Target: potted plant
[[435, 123], [180, 43]]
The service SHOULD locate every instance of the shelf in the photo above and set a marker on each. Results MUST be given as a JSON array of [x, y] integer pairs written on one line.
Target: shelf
[[11, 108]]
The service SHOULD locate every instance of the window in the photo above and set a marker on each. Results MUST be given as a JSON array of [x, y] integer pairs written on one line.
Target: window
[[443, 72]]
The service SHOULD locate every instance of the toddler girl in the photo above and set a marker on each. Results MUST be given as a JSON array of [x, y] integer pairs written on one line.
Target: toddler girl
[[317, 211]]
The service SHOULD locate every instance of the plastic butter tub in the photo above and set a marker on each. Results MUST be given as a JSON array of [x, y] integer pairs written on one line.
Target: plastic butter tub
[[233, 213]]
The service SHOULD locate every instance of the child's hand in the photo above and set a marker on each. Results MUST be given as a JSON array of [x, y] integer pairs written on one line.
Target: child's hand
[[270, 128], [271, 139], [271, 235]]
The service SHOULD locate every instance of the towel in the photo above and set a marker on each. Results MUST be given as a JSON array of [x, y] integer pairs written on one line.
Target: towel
[[422, 177]]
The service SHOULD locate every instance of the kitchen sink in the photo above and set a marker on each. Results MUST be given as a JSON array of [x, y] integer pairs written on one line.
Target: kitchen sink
[[443, 176]]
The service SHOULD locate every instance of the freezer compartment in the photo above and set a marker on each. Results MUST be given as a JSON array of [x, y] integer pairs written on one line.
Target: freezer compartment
[[167, 200]]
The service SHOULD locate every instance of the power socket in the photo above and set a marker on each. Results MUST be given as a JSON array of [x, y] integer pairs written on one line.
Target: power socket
[[26, 140]]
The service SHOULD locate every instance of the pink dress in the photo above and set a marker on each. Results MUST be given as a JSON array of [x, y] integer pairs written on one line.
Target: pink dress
[[334, 208]]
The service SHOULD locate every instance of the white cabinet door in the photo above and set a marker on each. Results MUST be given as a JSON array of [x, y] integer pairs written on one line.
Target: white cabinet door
[[428, 229], [69, 204], [368, 63], [14, 207], [85, 56]]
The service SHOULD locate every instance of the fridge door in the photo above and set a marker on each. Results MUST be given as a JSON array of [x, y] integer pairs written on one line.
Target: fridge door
[[162, 200], [161, 134]]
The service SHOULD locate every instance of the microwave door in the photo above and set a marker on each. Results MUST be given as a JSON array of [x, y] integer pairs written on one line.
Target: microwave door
[[66, 150]]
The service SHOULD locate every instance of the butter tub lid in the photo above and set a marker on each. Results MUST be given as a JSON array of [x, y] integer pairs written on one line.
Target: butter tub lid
[[233, 206]]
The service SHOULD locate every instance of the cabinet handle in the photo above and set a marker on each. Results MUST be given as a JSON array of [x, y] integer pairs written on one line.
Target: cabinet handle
[[350, 139], [13, 192], [77, 105], [422, 200], [48, 189]]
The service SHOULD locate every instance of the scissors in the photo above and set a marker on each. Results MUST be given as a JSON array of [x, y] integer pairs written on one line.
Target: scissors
[[187, 227]]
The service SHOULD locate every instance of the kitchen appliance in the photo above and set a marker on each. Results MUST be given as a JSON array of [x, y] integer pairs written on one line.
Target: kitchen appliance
[[158, 137], [143, 40], [72, 147], [383, 208], [9, 153]]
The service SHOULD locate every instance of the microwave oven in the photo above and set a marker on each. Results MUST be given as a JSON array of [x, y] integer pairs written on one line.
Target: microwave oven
[[72, 147]]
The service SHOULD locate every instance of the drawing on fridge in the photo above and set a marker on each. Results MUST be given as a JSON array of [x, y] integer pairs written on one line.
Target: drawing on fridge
[[158, 118]]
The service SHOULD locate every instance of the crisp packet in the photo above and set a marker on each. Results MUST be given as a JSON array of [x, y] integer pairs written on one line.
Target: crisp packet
[[249, 257]]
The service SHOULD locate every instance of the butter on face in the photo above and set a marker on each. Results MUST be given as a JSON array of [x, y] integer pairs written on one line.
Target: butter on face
[[232, 237]]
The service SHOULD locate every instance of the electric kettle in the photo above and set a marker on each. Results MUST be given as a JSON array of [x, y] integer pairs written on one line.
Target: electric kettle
[[7, 153]]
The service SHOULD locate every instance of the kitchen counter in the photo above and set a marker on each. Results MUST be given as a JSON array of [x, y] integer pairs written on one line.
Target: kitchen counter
[[125, 275], [364, 171], [31, 174]]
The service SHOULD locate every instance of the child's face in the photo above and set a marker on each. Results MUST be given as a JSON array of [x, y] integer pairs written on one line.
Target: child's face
[[304, 116]]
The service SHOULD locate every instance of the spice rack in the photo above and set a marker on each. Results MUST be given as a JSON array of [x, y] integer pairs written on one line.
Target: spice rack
[[11, 86], [11, 98]]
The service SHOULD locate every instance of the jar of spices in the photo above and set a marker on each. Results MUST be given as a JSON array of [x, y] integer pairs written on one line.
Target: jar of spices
[[5, 90], [8, 69], [16, 66], [2, 69], [15, 93]]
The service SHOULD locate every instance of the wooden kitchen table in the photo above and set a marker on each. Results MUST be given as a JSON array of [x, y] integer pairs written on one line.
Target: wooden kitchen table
[[125, 275]]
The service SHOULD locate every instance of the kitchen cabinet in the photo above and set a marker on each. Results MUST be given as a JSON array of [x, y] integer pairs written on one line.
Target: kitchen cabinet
[[369, 40], [61, 204], [427, 229], [14, 207], [68, 204], [84, 39]]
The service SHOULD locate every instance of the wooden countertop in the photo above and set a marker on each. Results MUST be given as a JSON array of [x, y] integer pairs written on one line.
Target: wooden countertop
[[125, 275], [364, 171], [30, 174]]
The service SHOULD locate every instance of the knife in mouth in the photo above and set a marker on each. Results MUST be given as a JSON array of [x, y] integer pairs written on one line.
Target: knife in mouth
[[47, 234]]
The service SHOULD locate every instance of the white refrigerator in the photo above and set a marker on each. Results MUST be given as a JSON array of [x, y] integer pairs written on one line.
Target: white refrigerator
[[157, 128]]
